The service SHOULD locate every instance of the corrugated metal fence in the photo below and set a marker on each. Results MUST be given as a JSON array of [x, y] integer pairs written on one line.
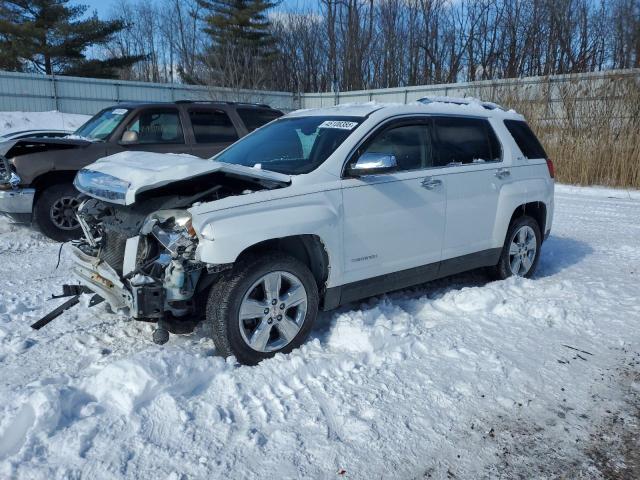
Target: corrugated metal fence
[[38, 93], [33, 92], [550, 92]]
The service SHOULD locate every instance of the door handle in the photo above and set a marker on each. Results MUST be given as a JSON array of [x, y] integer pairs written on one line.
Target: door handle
[[430, 183], [503, 172]]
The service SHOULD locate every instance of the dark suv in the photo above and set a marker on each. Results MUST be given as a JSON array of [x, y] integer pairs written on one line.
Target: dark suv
[[36, 174]]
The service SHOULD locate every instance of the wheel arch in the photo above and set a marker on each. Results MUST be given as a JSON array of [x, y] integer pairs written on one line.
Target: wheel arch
[[307, 248], [537, 210], [51, 178]]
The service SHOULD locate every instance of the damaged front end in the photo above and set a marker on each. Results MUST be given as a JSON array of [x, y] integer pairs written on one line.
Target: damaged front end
[[142, 265], [141, 257]]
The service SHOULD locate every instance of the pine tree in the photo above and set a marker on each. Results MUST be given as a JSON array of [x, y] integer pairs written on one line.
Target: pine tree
[[241, 40], [50, 36], [239, 22]]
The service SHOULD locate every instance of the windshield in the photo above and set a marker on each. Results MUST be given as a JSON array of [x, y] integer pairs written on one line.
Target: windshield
[[100, 126], [291, 145]]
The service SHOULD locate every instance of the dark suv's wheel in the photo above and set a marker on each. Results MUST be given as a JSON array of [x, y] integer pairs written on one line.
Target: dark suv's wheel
[[263, 306], [55, 212], [521, 250]]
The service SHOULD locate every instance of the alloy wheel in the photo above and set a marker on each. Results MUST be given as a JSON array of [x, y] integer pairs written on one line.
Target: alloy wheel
[[272, 311], [522, 250], [63, 213]]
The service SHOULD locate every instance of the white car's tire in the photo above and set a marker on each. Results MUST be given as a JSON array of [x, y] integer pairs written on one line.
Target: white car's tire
[[265, 305], [521, 251]]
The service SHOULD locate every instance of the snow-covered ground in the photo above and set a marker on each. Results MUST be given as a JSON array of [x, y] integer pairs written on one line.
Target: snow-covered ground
[[462, 378], [17, 121]]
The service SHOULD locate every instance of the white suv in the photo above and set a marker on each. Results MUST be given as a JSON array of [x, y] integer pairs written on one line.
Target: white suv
[[314, 210]]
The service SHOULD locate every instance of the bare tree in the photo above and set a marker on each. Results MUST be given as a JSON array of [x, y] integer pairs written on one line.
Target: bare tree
[[355, 44]]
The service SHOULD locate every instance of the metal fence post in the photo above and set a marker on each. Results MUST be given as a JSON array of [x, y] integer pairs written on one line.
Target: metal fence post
[[54, 86]]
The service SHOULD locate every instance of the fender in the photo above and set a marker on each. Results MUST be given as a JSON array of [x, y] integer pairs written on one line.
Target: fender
[[511, 197], [542, 190], [225, 234], [519, 193]]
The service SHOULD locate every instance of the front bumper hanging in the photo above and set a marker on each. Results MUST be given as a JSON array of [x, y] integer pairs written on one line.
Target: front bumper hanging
[[101, 279]]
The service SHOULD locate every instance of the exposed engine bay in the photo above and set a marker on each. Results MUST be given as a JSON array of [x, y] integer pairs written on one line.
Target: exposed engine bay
[[141, 258]]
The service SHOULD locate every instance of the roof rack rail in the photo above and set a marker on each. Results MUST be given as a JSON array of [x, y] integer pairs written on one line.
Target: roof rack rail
[[221, 102], [461, 101], [251, 104], [200, 101]]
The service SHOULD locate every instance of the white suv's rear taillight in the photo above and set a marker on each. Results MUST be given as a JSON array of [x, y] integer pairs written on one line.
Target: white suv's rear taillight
[[552, 170]]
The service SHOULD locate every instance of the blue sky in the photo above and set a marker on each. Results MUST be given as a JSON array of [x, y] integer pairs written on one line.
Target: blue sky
[[103, 7]]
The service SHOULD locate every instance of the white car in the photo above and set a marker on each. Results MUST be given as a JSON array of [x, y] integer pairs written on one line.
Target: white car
[[314, 210]]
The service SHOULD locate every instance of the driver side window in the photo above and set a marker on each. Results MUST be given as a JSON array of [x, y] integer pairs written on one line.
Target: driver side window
[[157, 126], [409, 144]]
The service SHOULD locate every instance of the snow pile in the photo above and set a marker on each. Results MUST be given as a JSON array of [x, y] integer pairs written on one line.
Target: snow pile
[[461, 378], [18, 121]]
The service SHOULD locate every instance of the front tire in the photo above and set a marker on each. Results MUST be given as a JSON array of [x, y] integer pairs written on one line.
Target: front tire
[[263, 306], [521, 251], [55, 212]]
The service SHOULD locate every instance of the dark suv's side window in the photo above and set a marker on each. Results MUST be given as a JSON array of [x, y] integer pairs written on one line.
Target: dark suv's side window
[[256, 117], [158, 126], [212, 126], [409, 144], [463, 140], [525, 138]]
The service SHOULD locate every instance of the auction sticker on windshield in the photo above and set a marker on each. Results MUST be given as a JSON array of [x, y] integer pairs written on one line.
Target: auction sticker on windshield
[[119, 111], [342, 125]]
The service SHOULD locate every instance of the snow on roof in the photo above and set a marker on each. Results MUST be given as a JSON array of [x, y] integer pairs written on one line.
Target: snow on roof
[[434, 105], [344, 109]]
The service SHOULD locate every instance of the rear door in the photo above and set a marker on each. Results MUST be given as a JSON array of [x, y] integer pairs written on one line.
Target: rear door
[[470, 155], [395, 221], [212, 129]]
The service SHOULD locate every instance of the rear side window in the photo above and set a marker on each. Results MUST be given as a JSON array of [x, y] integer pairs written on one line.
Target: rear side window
[[212, 126], [256, 117], [525, 138], [465, 140]]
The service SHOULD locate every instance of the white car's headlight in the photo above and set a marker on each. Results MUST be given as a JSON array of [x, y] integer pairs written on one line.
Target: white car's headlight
[[102, 186]]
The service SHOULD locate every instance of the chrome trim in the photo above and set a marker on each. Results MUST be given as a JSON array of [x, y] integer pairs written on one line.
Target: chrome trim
[[370, 162], [430, 183], [19, 200], [101, 279], [14, 180]]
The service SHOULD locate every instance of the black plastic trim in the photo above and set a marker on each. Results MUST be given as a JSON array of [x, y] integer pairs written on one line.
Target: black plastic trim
[[350, 292]]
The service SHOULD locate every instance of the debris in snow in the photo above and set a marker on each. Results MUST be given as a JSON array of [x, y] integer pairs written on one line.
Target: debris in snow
[[577, 350]]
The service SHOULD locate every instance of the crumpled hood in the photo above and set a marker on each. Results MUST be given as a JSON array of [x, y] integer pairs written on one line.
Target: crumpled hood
[[29, 145], [144, 171]]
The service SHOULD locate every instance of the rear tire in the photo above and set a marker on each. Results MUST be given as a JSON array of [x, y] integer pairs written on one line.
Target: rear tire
[[521, 251], [248, 319], [54, 212]]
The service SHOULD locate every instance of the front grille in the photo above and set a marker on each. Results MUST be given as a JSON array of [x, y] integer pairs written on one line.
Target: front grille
[[112, 250], [5, 169]]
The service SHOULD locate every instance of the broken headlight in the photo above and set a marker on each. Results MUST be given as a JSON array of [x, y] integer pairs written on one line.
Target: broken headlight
[[173, 229], [102, 186]]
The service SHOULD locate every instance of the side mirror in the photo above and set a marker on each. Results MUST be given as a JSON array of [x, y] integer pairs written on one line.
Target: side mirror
[[371, 163], [129, 137]]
